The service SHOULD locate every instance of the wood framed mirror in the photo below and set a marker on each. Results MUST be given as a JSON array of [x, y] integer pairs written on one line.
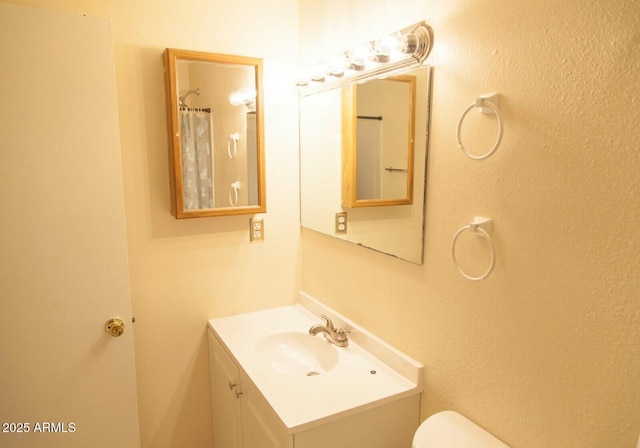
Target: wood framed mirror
[[378, 128], [216, 134]]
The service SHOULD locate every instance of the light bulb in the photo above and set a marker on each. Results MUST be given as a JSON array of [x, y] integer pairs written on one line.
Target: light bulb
[[337, 65], [318, 72], [358, 57], [302, 78], [388, 46]]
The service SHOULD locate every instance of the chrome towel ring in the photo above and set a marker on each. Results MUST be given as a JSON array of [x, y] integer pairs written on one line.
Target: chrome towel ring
[[479, 226], [487, 104]]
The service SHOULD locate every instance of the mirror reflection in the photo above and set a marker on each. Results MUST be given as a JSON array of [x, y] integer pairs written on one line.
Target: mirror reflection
[[378, 142], [396, 230], [215, 121]]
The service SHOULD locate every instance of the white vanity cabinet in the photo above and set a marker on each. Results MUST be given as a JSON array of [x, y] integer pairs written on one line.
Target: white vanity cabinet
[[242, 418], [367, 396]]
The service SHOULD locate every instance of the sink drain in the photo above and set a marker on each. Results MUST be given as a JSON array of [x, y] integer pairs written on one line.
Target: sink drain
[[312, 373]]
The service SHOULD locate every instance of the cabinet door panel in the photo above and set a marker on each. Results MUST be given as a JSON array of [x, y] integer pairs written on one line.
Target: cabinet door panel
[[261, 427], [225, 383], [389, 425]]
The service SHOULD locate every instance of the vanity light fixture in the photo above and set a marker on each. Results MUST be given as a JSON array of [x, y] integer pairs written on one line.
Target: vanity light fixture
[[399, 51]]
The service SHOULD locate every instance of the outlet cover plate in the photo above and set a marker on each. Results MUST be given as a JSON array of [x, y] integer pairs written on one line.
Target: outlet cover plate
[[256, 230], [341, 222]]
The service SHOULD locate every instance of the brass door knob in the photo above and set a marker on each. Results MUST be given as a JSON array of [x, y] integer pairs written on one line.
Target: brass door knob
[[114, 326]]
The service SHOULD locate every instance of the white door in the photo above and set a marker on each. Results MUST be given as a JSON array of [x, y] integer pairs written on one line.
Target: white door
[[64, 382]]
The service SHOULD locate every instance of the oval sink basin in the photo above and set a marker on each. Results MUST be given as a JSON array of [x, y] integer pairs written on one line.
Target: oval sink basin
[[298, 354]]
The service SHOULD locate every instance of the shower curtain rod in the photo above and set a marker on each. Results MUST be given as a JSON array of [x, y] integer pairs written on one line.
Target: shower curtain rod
[[196, 109]]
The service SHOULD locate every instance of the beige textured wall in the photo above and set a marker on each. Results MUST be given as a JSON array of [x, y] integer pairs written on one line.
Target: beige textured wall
[[184, 272], [546, 352]]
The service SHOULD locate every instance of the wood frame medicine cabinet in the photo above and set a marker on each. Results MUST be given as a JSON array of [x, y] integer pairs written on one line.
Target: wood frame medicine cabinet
[[216, 133], [378, 127]]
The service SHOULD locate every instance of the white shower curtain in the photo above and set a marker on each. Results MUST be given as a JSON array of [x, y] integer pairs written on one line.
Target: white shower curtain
[[197, 160]]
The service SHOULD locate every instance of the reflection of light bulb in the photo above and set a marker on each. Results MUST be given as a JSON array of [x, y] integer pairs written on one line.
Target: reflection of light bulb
[[236, 99], [388, 46], [244, 96], [359, 56]]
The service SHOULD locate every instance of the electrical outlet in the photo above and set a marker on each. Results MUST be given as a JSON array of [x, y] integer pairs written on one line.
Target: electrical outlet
[[341, 222], [256, 230]]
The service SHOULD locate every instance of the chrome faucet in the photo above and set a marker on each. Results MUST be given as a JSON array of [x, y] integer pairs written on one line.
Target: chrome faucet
[[337, 337]]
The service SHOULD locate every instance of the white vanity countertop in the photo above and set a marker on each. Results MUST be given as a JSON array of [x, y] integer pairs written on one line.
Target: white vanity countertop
[[368, 372]]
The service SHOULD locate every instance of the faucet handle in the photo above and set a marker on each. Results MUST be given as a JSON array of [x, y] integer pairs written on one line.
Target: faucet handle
[[330, 325], [341, 337]]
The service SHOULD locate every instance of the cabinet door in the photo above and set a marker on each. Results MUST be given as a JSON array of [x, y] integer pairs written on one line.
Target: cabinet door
[[261, 426], [225, 397], [388, 426]]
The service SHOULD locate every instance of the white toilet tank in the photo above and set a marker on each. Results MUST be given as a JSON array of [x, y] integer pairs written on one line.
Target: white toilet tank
[[448, 429]]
